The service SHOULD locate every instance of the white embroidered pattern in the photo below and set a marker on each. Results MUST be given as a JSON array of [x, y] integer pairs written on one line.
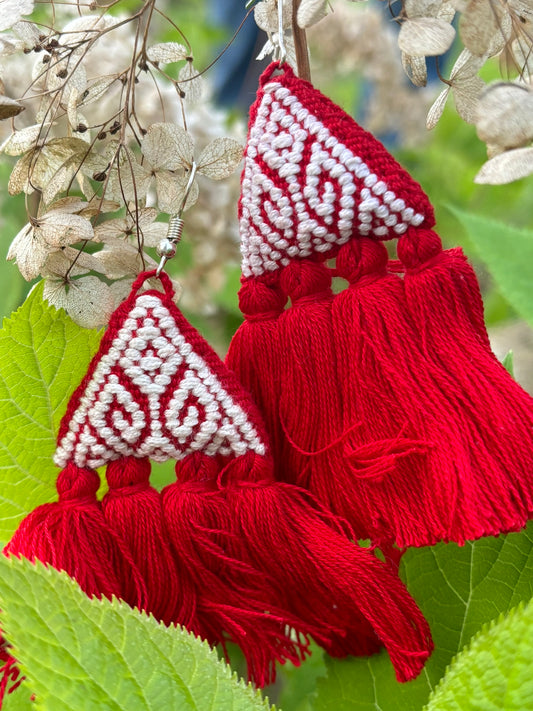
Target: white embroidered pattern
[[151, 395], [277, 225]]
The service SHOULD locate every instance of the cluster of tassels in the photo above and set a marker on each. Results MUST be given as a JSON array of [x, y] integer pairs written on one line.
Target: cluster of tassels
[[225, 550], [384, 400], [378, 412]]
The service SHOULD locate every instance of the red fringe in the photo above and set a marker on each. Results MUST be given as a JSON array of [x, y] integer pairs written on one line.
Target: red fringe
[[442, 295], [72, 535], [254, 350], [418, 463], [345, 597], [235, 602], [132, 508]]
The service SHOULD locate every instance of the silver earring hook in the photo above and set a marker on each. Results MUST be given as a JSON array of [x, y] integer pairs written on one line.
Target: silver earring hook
[[281, 49], [167, 247]]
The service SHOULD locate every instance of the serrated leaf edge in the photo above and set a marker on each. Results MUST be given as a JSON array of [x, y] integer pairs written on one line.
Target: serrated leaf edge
[[486, 629], [116, 604]]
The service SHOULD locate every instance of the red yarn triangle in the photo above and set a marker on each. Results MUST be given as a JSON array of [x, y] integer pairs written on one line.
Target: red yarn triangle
[[155, 389], [313, 179]]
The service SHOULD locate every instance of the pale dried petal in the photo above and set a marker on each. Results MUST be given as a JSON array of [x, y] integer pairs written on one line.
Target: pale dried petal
[[69, 261], [501, 36], [97, 89], [28, 252], [121, 290], [425, 36], [20, 141], [119, 259], [97, 205], [28, 33], [167, 52], [466, 65], [506, 167], [266, 15], [446, 12], [465, 95], [311, 11], [12, 10], [124, 226], [504, 115], [9, 45], [154, 233], [522, 9], [415, 68], [479, 24], [267, 49], [190, 83], [171, 191], [69, 204], [220, 158], [56, 79], [437, 109], [494, 150], [271, 46], [129, 181], [87, 300], [37, 168], [19, 178], [168, 146], [59, 229], [522, 57], [60, 181], [72, 108], [81, 29], [9, 107], [422, 8]]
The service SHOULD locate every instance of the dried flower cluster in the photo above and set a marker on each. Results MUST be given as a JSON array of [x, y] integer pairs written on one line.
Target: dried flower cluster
[[487, 29], [361, 39], [105, 143], [501, 111]]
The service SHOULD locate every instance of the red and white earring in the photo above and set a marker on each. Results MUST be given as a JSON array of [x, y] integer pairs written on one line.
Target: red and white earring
[[225, 550], [384, 400]]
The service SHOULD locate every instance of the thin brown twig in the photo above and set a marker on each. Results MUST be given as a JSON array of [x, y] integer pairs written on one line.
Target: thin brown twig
[[300, 45]]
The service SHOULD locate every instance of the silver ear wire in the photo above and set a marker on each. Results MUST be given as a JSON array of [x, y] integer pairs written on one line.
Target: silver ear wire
[[167, 247], [281, 49]]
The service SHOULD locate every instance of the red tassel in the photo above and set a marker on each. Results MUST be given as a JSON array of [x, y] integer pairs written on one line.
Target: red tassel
[[446, 275], [235, 602], [443, 296], [72, 535], [132, 508], [254, 349], [308, 406], [346, 598], [415, 437]]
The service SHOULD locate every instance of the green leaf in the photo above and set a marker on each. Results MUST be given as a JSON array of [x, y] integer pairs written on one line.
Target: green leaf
[[508, 363], [459, 589], [494, 672], [508, 254], [43, 357], [84, 654]]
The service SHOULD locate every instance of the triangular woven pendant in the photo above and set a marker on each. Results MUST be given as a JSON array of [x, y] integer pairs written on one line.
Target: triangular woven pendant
[[153, 392], [215, 550], [377, 399], [313, 179]]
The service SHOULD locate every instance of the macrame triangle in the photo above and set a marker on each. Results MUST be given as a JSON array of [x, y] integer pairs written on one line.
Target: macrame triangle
[[312, 179], [153, 390], [383, 399]]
